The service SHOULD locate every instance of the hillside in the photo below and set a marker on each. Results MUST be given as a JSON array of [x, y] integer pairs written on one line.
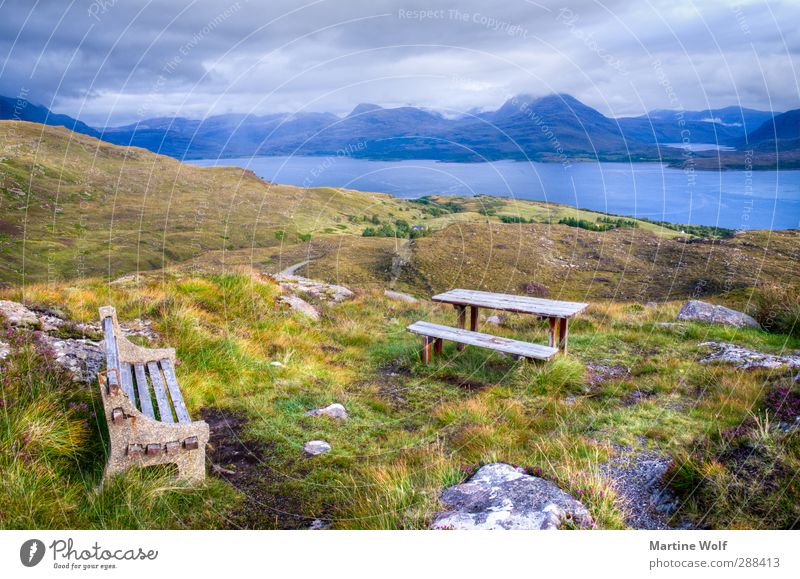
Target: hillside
[[74, 207], [638, 387]]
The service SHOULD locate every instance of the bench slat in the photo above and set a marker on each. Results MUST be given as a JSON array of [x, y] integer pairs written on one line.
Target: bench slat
[[505, 345], [164, 411], [127, 381], [144, 391], [112, 358], [175, 391], [511, 303]]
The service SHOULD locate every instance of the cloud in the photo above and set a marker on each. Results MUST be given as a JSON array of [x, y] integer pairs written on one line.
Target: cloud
[[108, 61]]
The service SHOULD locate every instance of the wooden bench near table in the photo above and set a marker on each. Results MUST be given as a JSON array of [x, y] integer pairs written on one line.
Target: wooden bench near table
[[557, 313]]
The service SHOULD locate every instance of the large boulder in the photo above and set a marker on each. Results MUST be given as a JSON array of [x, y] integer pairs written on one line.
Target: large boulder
[[298, 304], [698, 311], [501, 496]]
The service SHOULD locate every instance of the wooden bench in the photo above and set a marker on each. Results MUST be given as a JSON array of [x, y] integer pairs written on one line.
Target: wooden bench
[[148, 423], [556, 312], [433, 336]]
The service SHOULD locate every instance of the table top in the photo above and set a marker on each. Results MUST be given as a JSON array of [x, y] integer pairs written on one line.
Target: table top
[[511, 303]]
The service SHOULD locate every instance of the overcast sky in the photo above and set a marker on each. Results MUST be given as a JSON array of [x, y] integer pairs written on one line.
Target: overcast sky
[[118, 62]]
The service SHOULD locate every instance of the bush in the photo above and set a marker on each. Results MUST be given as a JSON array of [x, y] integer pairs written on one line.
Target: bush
[[777, 309], [535, 289]]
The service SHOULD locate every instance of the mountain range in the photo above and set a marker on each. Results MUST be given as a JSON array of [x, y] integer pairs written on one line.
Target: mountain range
[[555, 127]]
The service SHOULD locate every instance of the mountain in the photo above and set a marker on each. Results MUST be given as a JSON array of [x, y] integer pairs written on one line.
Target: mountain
[[555, 127], [24, 110], [779, 133]]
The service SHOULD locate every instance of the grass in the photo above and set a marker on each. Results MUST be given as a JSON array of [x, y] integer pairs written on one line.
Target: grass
[[413, 429]]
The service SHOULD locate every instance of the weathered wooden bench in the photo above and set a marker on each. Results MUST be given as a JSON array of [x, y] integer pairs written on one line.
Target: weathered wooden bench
[[433, 336], [148, 423]]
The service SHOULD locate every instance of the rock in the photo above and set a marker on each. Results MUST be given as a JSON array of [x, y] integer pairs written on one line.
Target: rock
[[300, 305], [400, 296], [744, 358], [276, 364], [318, 525], [334, 411], [81, 357], [4, 350], [325, 292], [495, 320], [316, 447], [600, 373], [500, 496], [17, 314], [698, 311], [651, 305]]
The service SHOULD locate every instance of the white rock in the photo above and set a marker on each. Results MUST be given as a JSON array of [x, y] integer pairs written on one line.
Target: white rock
[[4, 350], [276, 364], [17, 314], [500, 496], [334, 410], [744, 358], [300, 305], [400, 296], [316, 447], [495, 320]]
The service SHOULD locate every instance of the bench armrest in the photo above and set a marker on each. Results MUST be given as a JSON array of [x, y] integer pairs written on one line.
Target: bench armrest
[[133, 353]]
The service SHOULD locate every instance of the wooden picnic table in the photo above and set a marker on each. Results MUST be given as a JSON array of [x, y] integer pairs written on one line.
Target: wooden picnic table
[[556, 312]]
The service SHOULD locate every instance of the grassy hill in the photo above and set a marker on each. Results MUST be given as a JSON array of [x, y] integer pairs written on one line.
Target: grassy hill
[[78, 213], [631, 384]]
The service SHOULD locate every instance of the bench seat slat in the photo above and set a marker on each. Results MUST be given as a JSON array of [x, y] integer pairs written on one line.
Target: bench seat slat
[[164, 410], [505, 345], [145, 401], [175, 391], [127, 381], [511, 303], [112, 357]]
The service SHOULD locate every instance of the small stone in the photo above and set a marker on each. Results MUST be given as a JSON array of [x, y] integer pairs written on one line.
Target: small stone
[[316, 447], [4, 350], [276, 364], [335, 410], [495, 320], [651, 305], [400, 296], [318, 525], [698, 311]]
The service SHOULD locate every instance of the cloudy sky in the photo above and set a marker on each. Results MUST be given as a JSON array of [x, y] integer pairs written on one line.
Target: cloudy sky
[[119, 61]]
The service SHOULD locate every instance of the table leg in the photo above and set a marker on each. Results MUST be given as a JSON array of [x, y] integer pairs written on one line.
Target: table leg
[[551, 332], [425, 354], [437, 346], [462, 322], [473, 318], [563, 333]]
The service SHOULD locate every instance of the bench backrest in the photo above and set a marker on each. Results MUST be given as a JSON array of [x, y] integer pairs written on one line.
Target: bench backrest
[[147, 377]]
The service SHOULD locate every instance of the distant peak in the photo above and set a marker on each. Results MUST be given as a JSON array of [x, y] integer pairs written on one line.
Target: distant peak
[[364, 108]]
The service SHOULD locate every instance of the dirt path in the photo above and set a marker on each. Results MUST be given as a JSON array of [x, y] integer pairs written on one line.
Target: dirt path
[[636, 476], [293, 268]]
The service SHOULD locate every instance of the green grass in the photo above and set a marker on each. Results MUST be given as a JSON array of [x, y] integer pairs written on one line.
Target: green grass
[[413, 428]]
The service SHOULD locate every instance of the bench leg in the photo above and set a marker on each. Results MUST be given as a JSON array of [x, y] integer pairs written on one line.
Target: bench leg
[[462, 322], [551, 338], [425, 354], [437, 346], [563, 333], [473, 318]]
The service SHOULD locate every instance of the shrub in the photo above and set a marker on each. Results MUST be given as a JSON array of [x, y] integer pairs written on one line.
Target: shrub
[[535, 289], [777, 309]]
